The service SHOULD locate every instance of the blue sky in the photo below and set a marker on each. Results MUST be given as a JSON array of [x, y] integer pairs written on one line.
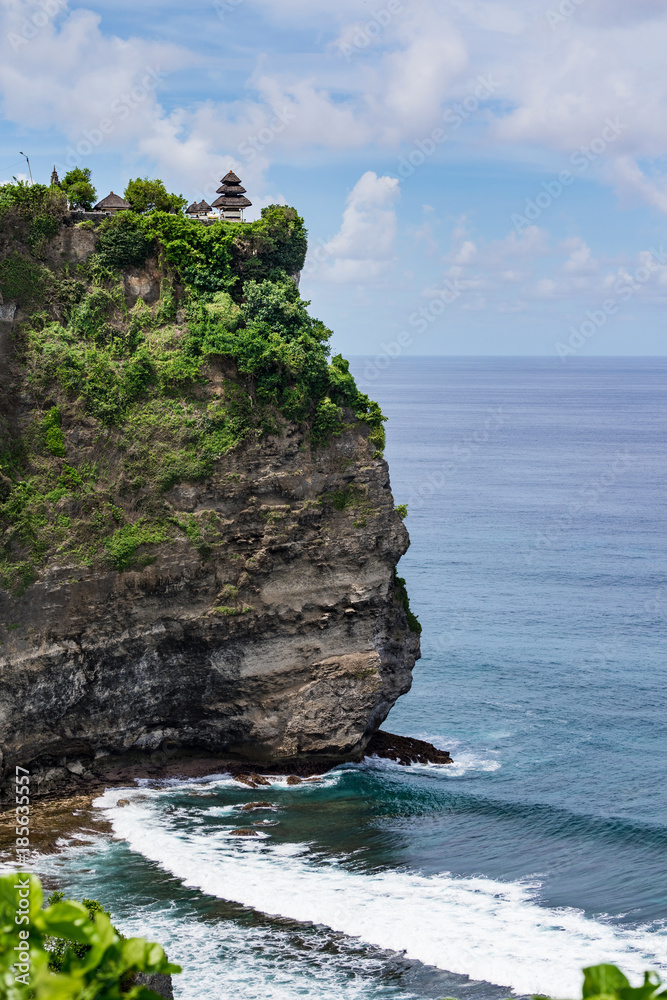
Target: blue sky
[[477, 176]]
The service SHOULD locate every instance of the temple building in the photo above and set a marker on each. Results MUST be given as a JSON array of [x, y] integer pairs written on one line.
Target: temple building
[[232, 198], [112, 203], [198, 210], [55, 180]]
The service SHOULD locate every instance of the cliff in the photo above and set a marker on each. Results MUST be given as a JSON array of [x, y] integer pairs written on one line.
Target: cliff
[[198, 537]]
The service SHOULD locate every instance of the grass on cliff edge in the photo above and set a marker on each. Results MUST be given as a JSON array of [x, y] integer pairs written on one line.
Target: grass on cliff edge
[[125, 403]]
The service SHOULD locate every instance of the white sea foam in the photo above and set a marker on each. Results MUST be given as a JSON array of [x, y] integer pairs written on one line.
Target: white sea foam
[[478, 927]]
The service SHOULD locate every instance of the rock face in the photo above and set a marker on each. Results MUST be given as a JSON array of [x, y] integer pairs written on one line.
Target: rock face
[[289, 643]]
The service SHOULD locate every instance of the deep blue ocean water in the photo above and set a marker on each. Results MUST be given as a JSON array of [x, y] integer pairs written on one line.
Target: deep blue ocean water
[[536, 494]]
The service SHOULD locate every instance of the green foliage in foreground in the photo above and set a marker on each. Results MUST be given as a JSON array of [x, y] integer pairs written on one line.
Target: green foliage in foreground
[[607, 982], [73, 952]]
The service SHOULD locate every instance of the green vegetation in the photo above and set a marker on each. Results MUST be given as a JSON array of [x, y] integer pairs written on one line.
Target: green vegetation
[[68, 951], [154, 395], [78, 187], [402, 510], [32, 214], [21, 279], [402, 594], [123, 242], [351, 496], [607, 982], [53, 435], [146, 195]]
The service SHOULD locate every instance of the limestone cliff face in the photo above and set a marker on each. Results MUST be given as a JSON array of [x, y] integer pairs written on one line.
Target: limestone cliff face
[[258, 614], [288, 644]]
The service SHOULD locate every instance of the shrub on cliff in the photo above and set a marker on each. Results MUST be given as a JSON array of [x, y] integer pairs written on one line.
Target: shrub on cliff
[[31, 213], [68, 951], [78, 187], [149, 195], [157, 394], [123, 242], [277, 242]]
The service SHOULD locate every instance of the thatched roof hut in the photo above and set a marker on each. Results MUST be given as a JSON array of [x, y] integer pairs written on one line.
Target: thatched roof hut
[[198, 208], [112, 203]]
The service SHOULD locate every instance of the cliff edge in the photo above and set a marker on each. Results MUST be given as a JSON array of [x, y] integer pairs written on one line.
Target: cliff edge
[[198, 537]]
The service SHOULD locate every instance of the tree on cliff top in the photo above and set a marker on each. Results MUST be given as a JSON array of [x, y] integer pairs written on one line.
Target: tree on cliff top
[[78, 187], [146, 195]]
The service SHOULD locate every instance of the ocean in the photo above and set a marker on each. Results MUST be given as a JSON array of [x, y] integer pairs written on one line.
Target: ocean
[[536, 508]]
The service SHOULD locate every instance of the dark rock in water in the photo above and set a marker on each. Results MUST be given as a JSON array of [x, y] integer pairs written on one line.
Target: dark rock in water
[[405, 750], [252, 806], [258, 779], [123, 802], [245, 779], [157, 982], [244, 831], [266, 822], [294, 780]]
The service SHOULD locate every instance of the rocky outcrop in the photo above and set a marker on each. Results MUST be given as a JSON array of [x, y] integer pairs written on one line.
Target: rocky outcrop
[[286, 642]]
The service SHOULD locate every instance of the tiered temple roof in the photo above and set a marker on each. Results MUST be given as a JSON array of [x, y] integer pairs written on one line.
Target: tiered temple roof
[[232, 194]]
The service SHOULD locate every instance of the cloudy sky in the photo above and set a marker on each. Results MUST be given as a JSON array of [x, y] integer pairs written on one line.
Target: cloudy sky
[[477, 176]]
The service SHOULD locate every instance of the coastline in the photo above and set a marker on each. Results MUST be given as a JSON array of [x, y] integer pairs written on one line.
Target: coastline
[[64, 810]]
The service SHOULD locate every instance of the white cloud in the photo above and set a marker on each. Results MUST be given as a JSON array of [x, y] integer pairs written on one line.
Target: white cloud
[[558, 88], [365, 246]]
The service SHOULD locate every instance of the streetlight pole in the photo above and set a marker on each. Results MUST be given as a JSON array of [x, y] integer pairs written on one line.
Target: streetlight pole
[[29, 168]]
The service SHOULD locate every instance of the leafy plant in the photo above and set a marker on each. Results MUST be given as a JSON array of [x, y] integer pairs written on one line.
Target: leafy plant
[[402, 594], [123, 545], [95, 964], [123, 241], [607, 982], [21, 280], [276, 244], [79, 189], [146, 195], [402, 510], [32, 213], [53, 435]]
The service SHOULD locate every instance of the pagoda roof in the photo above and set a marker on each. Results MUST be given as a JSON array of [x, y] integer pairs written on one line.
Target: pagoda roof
[[232, 201], [231, 189], [111, 201], [231, 178]]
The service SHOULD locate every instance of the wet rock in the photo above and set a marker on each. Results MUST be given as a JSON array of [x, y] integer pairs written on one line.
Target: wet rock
[[245, 779], [252, 806], [406, 750], [244, 831], [157, 982], [294, 780], [123, 802]]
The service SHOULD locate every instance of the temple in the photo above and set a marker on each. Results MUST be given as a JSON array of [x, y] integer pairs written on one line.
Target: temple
[[232, 198], [111, 204], [198, 210]]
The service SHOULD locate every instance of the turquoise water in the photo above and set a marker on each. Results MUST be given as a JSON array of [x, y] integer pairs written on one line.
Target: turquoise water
[[536, 495]]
